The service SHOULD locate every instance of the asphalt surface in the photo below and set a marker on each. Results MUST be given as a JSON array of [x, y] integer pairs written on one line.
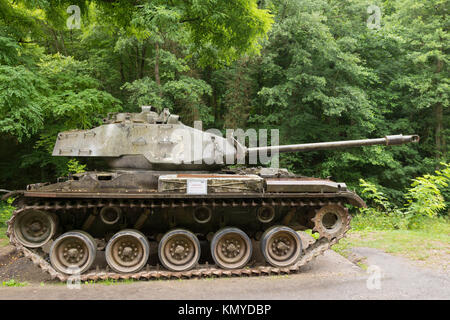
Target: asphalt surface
[[331, 276]]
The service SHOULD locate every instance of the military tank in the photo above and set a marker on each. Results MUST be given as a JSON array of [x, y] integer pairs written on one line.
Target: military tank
[[168, 210]]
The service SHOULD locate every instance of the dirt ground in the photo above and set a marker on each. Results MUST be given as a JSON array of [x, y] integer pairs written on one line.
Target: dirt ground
[[331, 276], [14, 266]]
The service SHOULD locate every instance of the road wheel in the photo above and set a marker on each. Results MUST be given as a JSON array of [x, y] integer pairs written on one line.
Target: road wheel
[[231, 248], [127, 251], [73, 252], [281, 246], [179, 250]]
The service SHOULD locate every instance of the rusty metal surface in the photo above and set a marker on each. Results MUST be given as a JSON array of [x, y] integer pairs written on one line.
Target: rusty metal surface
[[12, 194], [150, 181], [39, 258], [145, 185], [304, 185], [351, 197], [297, 178]]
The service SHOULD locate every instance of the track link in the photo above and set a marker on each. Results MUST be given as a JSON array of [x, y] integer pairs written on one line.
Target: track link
[[40, 258]]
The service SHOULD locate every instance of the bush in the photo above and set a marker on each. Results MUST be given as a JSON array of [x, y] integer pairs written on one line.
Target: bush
[[425, 197], [424, 202], [374, 220], [381, 221], [6, 210], [380, 213]]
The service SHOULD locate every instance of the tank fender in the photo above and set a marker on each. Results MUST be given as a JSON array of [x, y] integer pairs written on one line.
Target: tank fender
[[11, 194], [355, 200]]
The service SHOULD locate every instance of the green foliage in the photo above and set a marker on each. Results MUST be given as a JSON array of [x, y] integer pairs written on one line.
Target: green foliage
[[183, 96], [424, 201], [425, 197], [6, 210], [75, 100], [14, 283], [377, 199], [380, 214], [73, 166], [21, 106], [108, 282], [10, 49], [58, 94], [429, 245], [376, 220], [217, 31]]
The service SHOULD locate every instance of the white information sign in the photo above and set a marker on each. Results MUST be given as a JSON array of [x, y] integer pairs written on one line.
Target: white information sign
[[197, 186]]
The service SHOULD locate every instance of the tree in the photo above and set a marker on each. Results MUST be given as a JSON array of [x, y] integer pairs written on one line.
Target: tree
[[423, 31]]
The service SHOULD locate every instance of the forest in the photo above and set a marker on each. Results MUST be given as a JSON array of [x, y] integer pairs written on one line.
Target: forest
[[316, 70]]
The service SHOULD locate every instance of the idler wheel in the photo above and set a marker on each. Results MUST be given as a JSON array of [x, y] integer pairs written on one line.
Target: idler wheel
[[231, 248], [127, 251], [330, 221], [265, 214], [73, 252], [34, 228], [281, 246], [110, 215], [179, 250]]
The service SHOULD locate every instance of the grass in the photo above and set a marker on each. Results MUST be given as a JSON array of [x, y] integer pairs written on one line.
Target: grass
[[4, 241], [362, 265], [13, 283], [381, 221], [108, 282], [5, 213], [416, 245], [429, 245]]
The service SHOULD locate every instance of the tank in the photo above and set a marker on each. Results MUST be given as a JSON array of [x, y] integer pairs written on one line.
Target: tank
[[174, 205]]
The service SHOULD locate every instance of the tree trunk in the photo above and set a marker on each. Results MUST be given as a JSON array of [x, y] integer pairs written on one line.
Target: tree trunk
[[55, 37], [144, 49], [122, 75], [63, 45], [136, 63], [438, 112], [157, 79], [212, 98]]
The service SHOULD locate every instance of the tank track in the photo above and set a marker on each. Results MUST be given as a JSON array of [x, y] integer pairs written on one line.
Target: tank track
[[41, 260]]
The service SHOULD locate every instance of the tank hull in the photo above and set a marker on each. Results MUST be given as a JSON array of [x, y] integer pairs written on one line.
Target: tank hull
[[154, 203]]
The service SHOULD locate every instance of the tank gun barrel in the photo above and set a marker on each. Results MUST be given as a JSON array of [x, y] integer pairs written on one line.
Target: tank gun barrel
[[387, 140]]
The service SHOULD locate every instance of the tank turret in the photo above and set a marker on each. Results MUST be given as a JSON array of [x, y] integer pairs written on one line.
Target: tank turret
[[148, 140]]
